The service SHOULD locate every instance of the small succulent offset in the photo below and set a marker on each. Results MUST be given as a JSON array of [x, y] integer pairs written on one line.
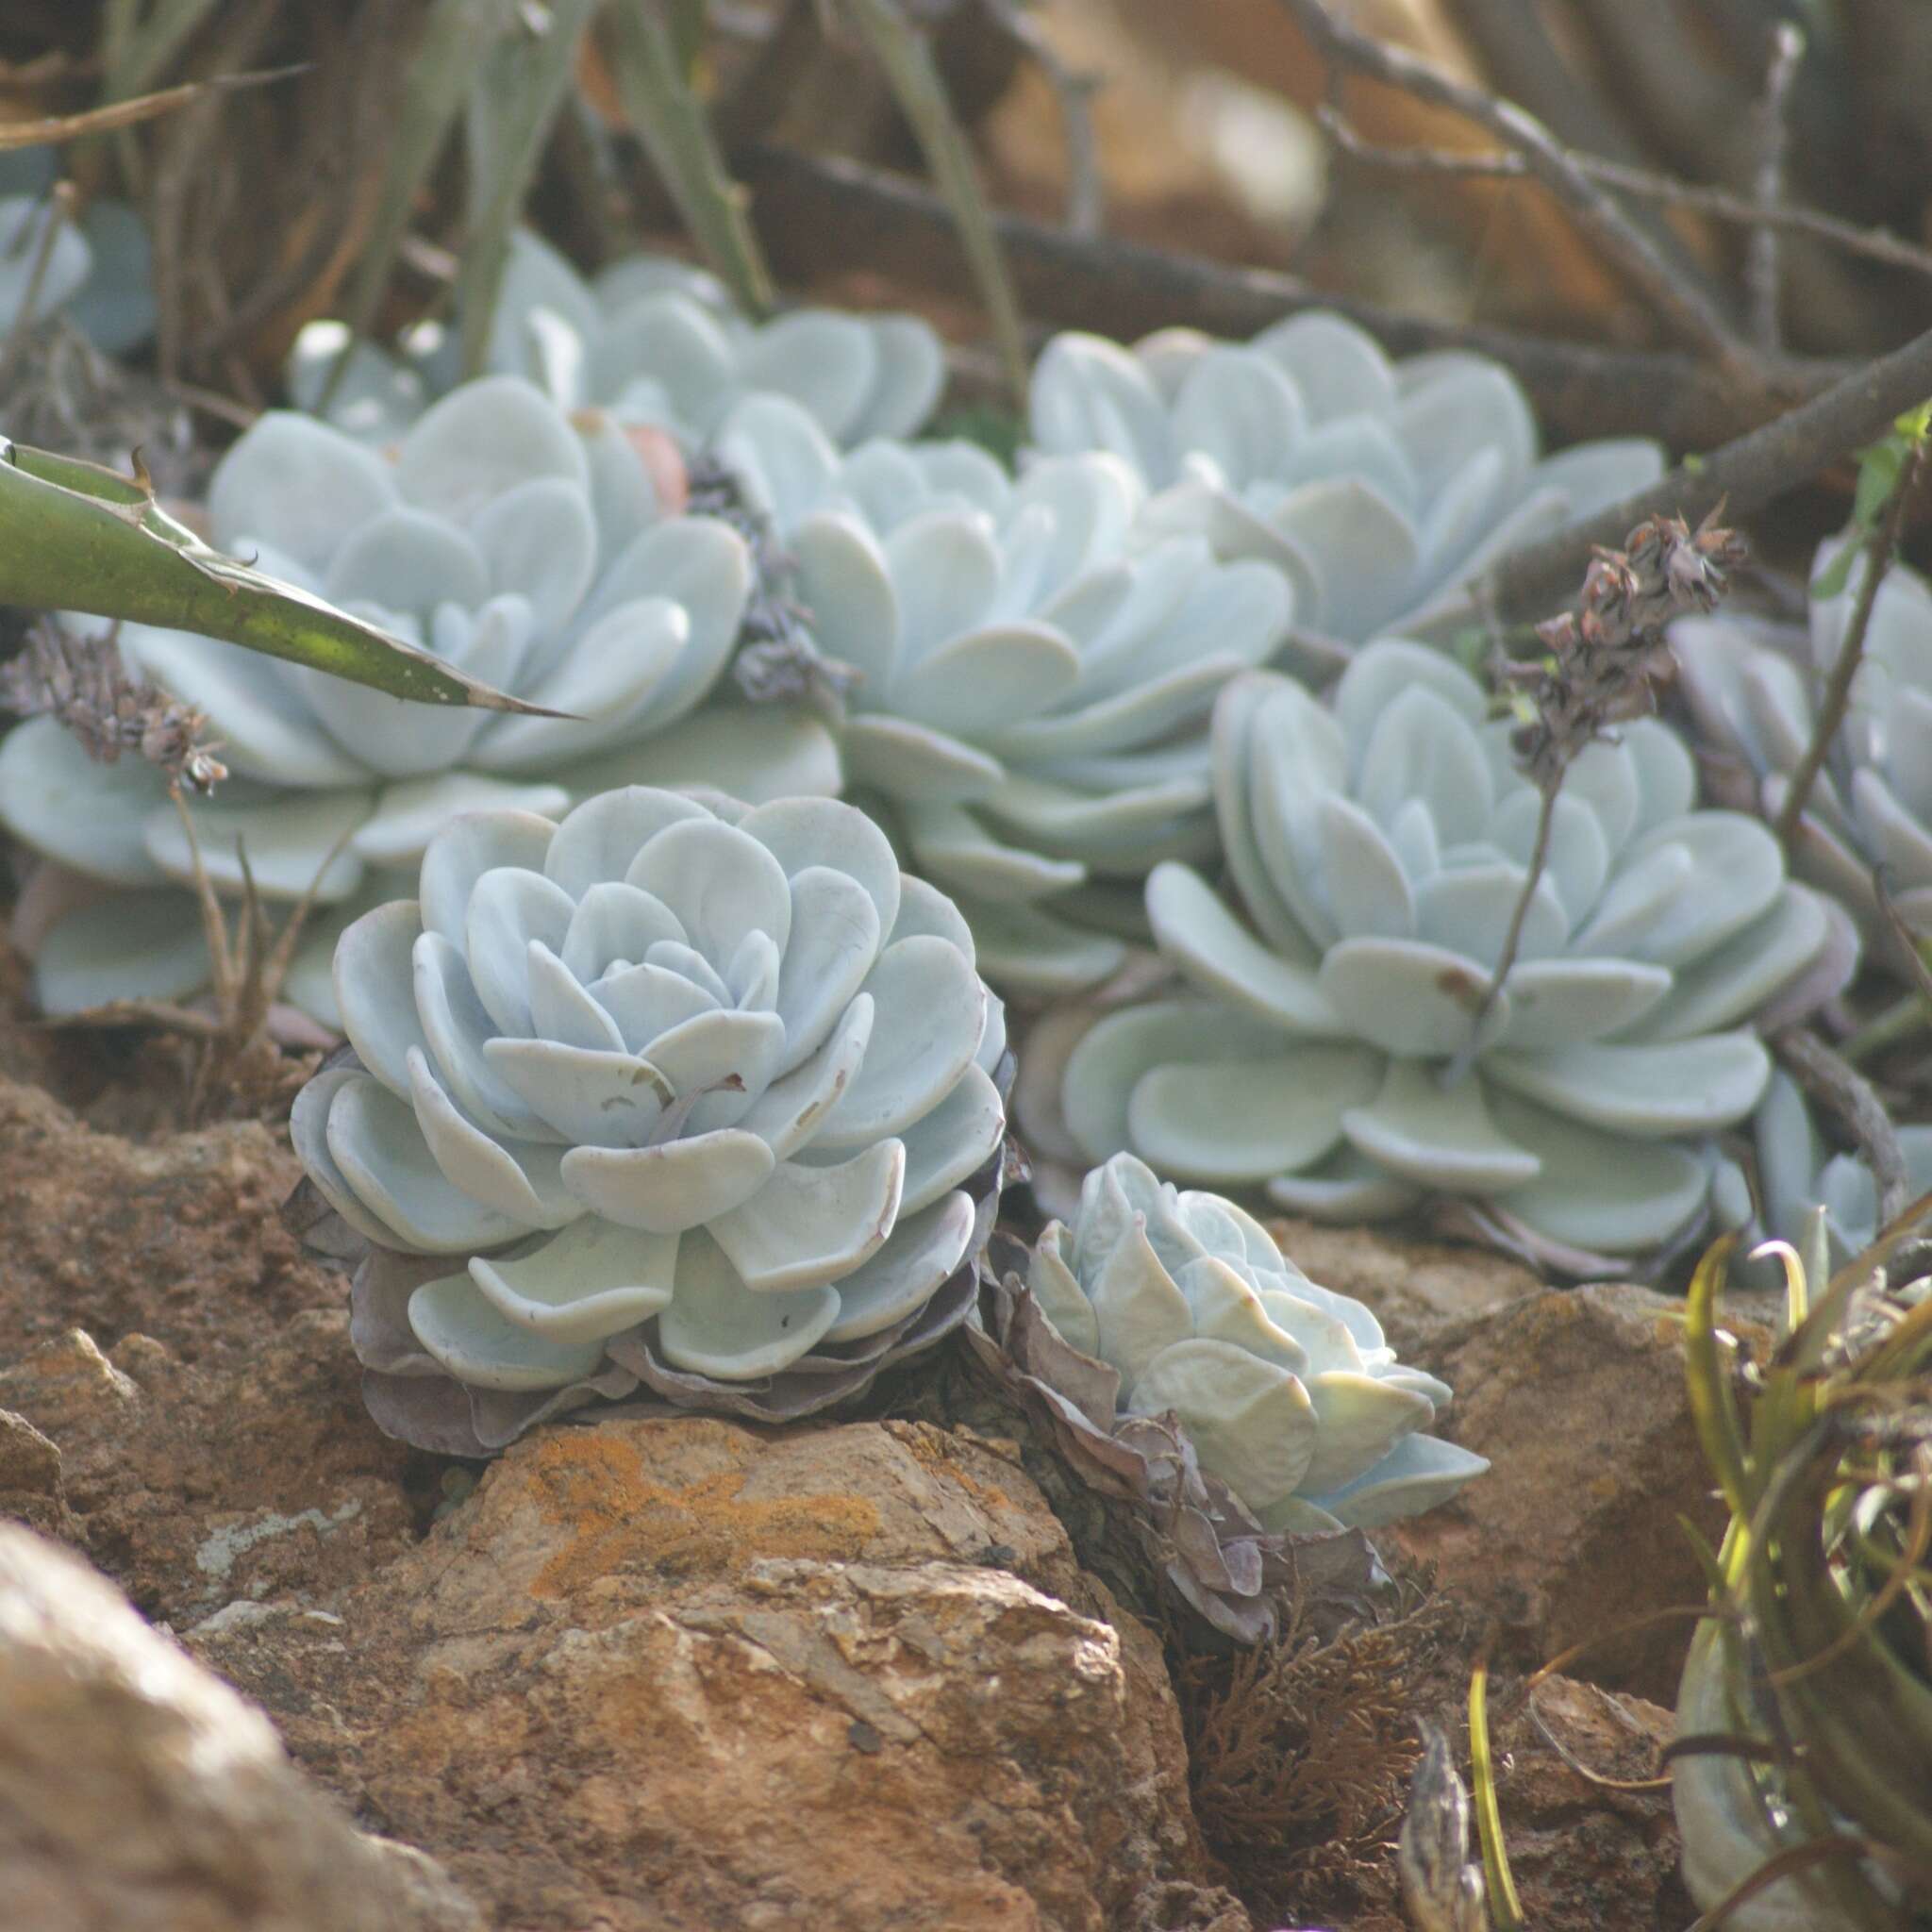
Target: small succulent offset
[[1033, 689], [1797, 1173], [1380, 487], [651, 340], [1329, 1051], [697, 1096], [1288, 1391], [517, 544], [97, 270], [1755, 689]]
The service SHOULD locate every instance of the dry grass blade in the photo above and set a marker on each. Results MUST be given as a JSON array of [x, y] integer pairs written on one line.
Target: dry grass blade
[[905, 57], [518, 93], [61, 127], [458, 37], [669, 118]]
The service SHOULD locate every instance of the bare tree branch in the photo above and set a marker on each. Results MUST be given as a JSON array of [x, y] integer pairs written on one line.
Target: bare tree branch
[[1829, 1078], [1685, 311], [817, 211], [1746, 473], [1762, 280]]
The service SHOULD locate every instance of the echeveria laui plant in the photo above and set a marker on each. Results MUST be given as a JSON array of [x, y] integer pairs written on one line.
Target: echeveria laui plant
[[517, 542], [97, 270], [1327, 1046], [697, 1096], [1379, 487], [1288, 1392], [1755, 689], [651, 340], [1033, 684]]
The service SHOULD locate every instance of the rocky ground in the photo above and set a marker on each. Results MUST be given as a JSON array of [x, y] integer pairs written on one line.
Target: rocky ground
[[647, 1675]]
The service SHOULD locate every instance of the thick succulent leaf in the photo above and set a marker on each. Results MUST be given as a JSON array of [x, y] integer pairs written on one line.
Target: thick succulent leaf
[[374, 966], [906, 1271], [1441, 1136], [521, 1179], [1418, 1474], [138, 945], [1252, 1120], [1682, 1086], [81, 537], [716, 1325], [69, 806], [586, 1095], [481, 1346], [1409, 998], [674, 1186], [808, 1226], [592, 1281], [1223, 959], [1251, 1424], [293, 845], [953, 1141]]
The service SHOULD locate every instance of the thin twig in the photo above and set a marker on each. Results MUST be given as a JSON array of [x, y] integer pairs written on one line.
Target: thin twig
[[1683, 309], [1829, 1078], [1879, 551], [1762, 280], [816, 211], [1694, 197], [1746, 473], [1086, 197], [64, 200]]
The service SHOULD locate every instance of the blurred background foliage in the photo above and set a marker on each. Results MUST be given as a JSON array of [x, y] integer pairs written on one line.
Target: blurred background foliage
[[377, 177]]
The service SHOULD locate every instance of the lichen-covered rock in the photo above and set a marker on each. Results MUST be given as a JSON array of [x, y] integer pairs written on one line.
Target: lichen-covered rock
[[135, 1790], [841, 1677], [697, 1096], [1342, 1045]]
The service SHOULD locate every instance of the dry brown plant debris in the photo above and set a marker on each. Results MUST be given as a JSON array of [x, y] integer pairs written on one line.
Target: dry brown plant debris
[[1301, 1754]]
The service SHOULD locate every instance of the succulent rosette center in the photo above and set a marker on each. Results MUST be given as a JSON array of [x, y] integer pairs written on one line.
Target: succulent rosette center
[[1288, 1392], [681, 1086]]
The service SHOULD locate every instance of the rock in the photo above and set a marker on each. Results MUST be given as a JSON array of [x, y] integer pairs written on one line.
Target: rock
[[685, 1673], [1577, 1399], [31, 1491], [1582, 1855], [137, 1790], [1415, 1288]]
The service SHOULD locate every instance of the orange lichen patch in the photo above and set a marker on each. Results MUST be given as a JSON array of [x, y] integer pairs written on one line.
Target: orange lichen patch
[[597, 1487], [936, 1450]]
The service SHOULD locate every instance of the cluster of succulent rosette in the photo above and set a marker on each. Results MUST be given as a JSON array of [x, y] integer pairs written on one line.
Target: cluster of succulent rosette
[[680, 1065]]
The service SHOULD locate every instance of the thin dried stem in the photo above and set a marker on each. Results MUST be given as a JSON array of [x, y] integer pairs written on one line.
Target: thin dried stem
[[65, 201], [1767, 217], [1830, 1078], [1086, 188], [1880, 548], [1746, 473], [1684, 310], [1763, 278]]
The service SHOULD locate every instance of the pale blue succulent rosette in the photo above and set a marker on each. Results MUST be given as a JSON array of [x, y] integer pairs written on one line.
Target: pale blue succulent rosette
[[1796, 1173], [518, 543], [1323, 1050], [696, 1098], [1380, 487], [99, 270], [1288, 1392], [1034, 682], [653, 340], [1755, 689]]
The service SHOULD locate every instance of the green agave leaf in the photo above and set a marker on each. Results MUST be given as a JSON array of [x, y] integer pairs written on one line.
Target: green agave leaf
[[77, 536]]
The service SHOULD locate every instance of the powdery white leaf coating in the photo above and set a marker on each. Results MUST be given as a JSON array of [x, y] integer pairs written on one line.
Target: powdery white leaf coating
[[1288, 1392], [651, 340], [1378, 849], [1755, 688], [1033, 685], [1380, 487], [602, 1047], [481, 537]]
